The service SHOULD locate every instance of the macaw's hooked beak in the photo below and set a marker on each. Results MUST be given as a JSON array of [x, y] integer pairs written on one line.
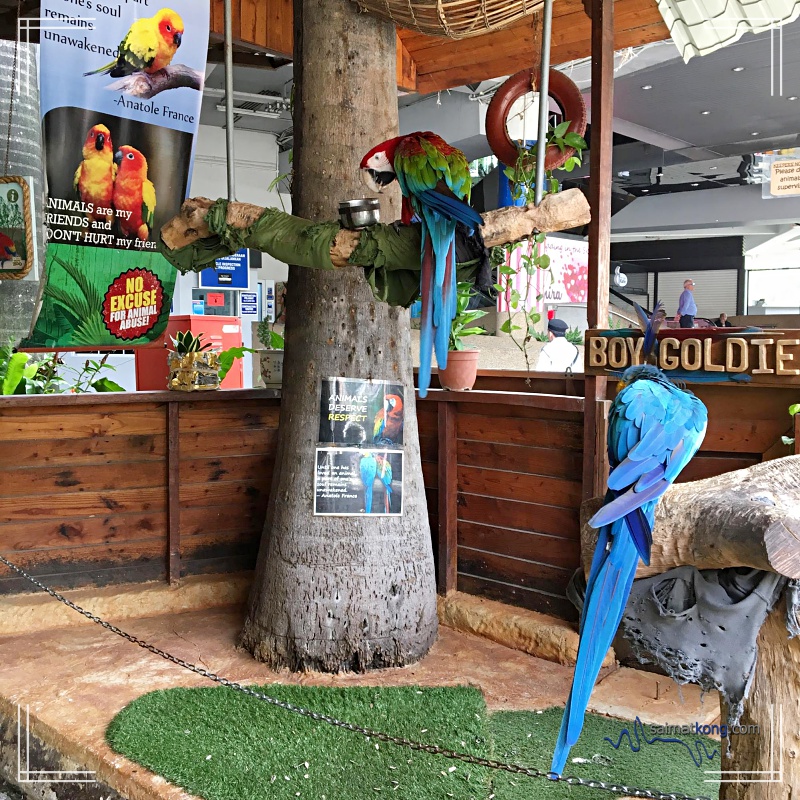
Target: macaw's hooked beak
[[99, 141], [376, 181]]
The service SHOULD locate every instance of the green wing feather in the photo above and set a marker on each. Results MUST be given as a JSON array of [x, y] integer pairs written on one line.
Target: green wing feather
[[421, 163], [140, 46]]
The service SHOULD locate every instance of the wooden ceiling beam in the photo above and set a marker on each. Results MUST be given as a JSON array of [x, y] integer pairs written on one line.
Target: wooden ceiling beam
[[445, 63]]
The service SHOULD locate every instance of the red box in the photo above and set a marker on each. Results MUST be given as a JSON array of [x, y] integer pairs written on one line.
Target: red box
[[220, 332]]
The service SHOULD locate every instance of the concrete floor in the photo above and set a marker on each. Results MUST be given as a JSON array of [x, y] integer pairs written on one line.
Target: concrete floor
[[76, 679]]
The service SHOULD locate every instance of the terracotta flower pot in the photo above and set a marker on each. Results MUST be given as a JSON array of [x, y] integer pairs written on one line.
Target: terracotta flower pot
[[461, 371]]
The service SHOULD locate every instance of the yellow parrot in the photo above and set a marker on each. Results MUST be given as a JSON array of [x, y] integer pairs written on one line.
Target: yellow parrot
[[134, 195], [94, 178], [148, 46]]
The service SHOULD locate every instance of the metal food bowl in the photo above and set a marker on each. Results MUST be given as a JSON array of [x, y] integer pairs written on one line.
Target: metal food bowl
[[356, 214]]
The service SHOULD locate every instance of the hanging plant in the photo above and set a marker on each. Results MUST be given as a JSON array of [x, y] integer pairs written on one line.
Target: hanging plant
[[532, 258]]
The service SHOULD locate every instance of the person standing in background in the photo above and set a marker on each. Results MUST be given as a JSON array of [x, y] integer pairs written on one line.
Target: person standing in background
[[687, 308], [722, 321], [559, 354]]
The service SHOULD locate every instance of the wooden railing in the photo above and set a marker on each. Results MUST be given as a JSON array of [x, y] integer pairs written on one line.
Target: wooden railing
[[102, 489], [503, 476]]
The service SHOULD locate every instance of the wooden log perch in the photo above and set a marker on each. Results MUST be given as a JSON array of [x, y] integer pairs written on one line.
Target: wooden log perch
[[746, 518], [557, 212], [176, 76]]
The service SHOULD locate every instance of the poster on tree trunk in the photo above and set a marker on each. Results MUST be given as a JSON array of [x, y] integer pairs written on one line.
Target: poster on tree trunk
[[361, 412], [121, 87], [356, 482]]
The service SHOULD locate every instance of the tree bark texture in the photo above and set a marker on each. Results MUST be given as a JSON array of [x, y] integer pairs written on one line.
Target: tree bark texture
[[557, 212], [766, 765], [340, 593], [746, 518]]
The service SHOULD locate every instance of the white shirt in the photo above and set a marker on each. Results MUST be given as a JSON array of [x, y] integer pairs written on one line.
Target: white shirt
[[558, 356]]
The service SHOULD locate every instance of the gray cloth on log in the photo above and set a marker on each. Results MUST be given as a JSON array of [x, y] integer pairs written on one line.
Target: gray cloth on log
[[699, 626]]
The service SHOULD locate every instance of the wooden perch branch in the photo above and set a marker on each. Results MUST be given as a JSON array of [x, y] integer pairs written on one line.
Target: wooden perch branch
[[746, 518], [557, 212], [176, 76]]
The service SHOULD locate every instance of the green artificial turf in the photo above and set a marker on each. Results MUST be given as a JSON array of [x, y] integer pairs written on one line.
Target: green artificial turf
[[222, 745]]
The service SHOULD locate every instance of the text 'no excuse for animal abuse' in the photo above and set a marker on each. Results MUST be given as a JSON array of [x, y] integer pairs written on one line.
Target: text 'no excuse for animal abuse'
[[758, 356]]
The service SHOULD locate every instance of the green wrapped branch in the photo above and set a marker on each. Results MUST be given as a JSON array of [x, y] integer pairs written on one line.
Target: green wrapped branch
[[390, 255]]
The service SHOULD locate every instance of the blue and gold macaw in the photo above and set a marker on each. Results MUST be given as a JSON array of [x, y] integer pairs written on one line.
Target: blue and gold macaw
[[436, 185], [368, 467], [385, 476], [654, 430]]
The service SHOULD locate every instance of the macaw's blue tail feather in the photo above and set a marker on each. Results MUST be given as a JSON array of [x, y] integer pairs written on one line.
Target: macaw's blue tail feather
[[426, 319], [607, 593], [447, 299], [452, 208]]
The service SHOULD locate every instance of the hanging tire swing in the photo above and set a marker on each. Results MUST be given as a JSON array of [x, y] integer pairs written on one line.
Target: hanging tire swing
[[562, 90]]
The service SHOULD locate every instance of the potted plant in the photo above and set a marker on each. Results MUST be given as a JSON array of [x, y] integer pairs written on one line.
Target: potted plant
[[462, 362], [270, 358], [192, 365]]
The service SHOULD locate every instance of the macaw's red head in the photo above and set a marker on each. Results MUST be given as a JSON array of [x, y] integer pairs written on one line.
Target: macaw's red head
[[130, 162], [393, 404], [98, 142], [170, 26], [7, 248], [377, 166]]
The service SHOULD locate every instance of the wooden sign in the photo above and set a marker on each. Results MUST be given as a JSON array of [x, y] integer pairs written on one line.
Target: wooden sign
[[758, 358], [784, 179]]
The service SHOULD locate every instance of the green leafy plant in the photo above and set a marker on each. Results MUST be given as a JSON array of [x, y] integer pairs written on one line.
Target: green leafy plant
[[462, 324], [523, 174], [793, 411], [185, 342], [268, 335], [574, 335], [20, 374], [88, 377], [227, 357], [532, 258], [14, 371]]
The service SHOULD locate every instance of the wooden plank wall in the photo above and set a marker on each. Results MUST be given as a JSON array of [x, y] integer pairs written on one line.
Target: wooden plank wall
[[85, 489], [119, 488], [519, 472], [513, 464]]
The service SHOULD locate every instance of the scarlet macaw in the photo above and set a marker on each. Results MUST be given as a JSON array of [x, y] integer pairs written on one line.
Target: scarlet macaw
[[654, 430], [149, 45], [435, 181], [8, 252], [389, 421]]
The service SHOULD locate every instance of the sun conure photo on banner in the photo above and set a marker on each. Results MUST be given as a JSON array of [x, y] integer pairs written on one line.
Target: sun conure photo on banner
[[121, 87]]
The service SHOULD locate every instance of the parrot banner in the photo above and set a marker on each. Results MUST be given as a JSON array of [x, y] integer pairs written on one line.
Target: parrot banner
[[121, 87]]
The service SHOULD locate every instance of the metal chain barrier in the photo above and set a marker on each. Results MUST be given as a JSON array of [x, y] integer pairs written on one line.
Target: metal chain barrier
[[466, 758]]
